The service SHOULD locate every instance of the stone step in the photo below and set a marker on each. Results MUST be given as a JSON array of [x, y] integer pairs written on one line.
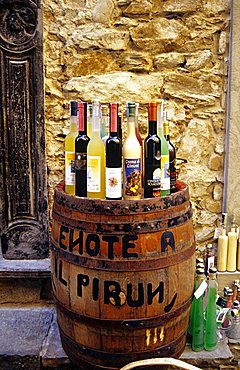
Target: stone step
[[29, 339]]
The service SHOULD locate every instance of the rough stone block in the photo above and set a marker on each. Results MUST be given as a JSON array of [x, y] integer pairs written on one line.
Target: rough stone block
[[23, 330]]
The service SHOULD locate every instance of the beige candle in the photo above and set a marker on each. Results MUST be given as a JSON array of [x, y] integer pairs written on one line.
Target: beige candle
[[232, 250], [222, 251], [238, 256]]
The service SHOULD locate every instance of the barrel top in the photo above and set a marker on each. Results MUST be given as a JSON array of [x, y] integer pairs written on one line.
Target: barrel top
[[104, 206]]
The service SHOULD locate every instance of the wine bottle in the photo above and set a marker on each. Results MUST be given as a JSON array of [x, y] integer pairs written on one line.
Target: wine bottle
[[113, 157], [81, 143], [104, 124], [152, 157], [198, 319], [70, 150], [119, 127], [165, 171], [172, 155], [229, 298], [96, 158], [132, 158], [210, 258], [211, 321]]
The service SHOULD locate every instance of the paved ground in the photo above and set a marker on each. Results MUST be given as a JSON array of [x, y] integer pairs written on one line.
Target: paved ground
[[29, 340]]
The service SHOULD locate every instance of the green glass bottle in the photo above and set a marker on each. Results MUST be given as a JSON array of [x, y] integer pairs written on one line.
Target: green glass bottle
[[199, 265], [211, 322], [198, 319]]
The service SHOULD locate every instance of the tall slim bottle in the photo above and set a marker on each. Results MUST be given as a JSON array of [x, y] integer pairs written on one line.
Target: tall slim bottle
[[81, 143], [89, 120], [152, 156], [172, 155], [138, 136], [165, 171], [198, 320], [136, 125], [70, 149], [104, 124], [113, 157], [132, 159], [211, 320], [96, 158]]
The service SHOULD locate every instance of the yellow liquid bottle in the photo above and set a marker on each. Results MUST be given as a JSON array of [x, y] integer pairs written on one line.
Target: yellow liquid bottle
[[96, 158], [70, 149], [132, 159]]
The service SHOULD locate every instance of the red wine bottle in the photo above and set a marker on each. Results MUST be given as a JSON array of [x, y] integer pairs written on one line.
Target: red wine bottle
[[81, 143], [152, 156], [113, 157]]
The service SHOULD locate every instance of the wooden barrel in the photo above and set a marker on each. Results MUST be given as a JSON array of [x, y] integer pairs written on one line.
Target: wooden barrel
[[122, 276]]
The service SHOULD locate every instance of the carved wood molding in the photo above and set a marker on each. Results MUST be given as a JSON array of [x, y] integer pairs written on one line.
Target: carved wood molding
[[23, 198]]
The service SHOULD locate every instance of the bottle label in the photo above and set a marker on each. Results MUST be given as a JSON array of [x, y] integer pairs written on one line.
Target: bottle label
[[113, 182], [155, 183], [165, 173], [132, 169], [81, 161], [201, 289], [69, 168], [93, 174]]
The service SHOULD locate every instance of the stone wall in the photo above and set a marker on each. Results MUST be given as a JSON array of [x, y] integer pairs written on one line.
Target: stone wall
[[142, 50]]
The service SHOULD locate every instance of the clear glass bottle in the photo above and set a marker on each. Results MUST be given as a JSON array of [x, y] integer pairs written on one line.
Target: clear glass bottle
[[165, 171], [70, 149], [104, 126], [172, 156], [89, 120], [96, 158], [132, 159], [211, 320]]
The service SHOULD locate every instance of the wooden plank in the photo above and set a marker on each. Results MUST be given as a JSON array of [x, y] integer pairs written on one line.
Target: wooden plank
[[23, 195]]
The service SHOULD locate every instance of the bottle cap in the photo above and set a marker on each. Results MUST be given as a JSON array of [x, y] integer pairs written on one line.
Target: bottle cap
[[225, 289], [200, 265], [212, 270], [209, 246], [89, 106], [229, 291], [96, 111], [130, 109], [73, 108], [152, 111], [104, 110], [199, 260], [235, 304], [200, 272]]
